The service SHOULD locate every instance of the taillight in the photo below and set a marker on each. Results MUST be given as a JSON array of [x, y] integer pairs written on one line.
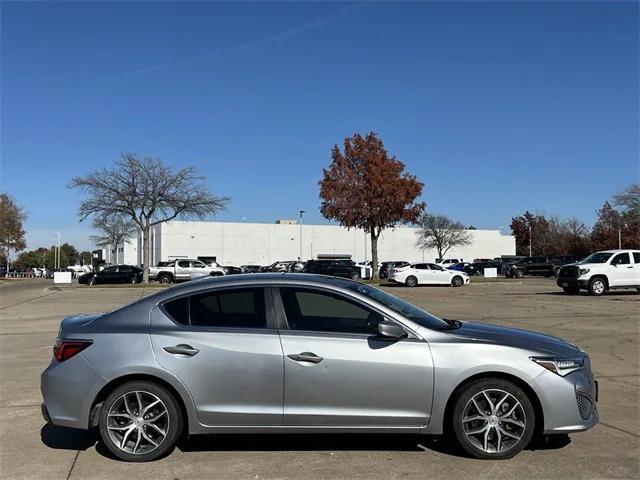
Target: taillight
[[65, 349]]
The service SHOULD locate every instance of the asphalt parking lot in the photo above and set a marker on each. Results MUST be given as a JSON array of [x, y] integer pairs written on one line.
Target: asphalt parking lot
[[607, 327]]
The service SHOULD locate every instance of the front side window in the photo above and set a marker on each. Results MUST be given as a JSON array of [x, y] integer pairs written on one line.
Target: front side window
[[315, 311], [183, 264], [238, 308], [636, 257], [197, 265], [621, 259]]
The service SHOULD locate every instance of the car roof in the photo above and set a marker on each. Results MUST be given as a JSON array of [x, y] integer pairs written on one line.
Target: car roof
[[618, 251]]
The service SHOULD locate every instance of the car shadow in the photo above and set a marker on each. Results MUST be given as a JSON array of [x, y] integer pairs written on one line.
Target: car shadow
[[62, 438], [614, 293]]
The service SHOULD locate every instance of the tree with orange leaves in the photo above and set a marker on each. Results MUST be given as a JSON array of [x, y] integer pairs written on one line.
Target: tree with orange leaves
[[366, 187]]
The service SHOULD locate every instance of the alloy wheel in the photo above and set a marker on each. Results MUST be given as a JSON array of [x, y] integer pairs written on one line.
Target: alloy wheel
[[494, 421], [138, 422]]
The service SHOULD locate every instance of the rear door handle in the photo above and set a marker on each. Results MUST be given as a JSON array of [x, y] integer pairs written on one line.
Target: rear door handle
[[305, 357], [182, 349]]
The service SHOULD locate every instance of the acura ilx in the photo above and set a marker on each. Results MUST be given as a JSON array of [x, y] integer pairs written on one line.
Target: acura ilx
[[298, 353]]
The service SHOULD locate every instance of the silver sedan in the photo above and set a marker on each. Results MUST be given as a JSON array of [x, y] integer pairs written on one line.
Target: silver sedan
[[297, 353]]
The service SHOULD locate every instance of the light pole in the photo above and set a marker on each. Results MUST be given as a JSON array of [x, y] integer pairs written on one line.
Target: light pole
[[301, 213], [530, 240]]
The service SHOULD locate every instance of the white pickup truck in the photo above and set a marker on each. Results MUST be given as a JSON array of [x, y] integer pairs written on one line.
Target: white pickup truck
[[183, 270], [602, 271]]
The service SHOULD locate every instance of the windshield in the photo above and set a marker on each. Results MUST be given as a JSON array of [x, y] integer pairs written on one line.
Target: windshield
[[396, 304], [598, 257]]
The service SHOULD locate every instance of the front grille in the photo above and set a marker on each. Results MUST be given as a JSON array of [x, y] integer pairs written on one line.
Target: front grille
[[569, 272], [585, 406]]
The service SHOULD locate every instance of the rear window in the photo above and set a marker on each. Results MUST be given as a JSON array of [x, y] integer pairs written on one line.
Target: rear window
[[238, 308]]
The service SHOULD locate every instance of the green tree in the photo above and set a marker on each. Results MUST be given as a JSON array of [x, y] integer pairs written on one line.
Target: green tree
[[11, 232]]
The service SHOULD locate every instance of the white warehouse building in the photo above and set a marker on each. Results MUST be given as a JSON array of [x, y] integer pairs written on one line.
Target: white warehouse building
[[230, 243]]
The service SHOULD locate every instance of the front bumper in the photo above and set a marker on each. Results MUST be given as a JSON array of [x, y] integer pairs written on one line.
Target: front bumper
[[569, 404], [572, 282]]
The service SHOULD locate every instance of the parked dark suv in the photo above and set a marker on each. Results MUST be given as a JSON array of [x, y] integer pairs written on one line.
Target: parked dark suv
[[543, 266], [385, 266], [336, 268]]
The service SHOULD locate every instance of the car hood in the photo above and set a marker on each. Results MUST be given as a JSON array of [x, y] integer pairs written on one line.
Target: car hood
[[515, 337]]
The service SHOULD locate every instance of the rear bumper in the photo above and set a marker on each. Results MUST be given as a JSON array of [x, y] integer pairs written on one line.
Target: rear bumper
[[68, 390]]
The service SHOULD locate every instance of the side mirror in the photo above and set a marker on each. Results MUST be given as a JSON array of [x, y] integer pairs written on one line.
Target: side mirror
[[391, 330]]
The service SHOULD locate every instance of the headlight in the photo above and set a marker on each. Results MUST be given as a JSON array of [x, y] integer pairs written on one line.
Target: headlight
[[561, 366], [584, 271]]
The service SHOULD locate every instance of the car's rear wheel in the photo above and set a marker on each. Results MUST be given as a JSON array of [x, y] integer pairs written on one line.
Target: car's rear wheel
[[519, 274], [493, 419], [457, 281], [355, 275], [411, 281], [597, 286], [165, 279], [140, 421]]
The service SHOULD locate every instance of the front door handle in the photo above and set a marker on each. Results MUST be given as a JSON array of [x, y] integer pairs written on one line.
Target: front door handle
[[305, 357], [182, 349]]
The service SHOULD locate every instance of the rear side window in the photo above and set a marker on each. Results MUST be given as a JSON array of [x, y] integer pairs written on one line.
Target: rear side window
[[239, 308], [636, 257]]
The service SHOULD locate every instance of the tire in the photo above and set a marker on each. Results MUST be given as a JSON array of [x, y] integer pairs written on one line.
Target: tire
[[597, 286], [92, 281], [515, 429], [140, 447], [457, 281], [355, 275], [133, 280], [519, 274], [571, 290], [556, 272], [411, 281], [165, 279]]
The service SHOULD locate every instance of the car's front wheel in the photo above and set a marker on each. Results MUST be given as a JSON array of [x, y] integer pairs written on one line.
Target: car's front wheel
[[140, 421], [597, 286], [493, 418], [457, 281]]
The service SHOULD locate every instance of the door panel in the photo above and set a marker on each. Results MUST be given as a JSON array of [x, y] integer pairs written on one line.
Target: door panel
[[359, 382], [236, 375], [340, 373], [621, 270]]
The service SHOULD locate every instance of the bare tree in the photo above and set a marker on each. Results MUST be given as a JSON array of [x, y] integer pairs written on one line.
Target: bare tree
[[441, 233], [112, 231], [148, 192], [11, 232]]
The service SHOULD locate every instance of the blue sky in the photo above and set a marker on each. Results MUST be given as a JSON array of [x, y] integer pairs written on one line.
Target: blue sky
[[497, 107]]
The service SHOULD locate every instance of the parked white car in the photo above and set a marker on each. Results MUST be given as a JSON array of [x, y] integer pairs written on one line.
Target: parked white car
[[182, 270], [427, 274], [602, 271]]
